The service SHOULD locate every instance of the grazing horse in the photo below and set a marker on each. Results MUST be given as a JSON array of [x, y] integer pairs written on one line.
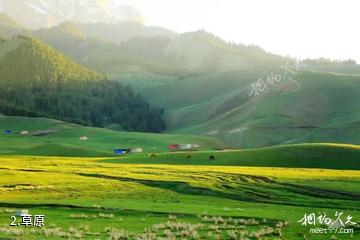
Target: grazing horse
[[211, 158]]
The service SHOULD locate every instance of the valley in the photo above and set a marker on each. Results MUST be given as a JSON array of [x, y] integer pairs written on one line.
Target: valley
[[114, 129]]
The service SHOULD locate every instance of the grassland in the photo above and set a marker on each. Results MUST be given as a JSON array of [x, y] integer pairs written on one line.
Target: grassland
[[87, 193], [321, 155], [91, 198], [64, 139]]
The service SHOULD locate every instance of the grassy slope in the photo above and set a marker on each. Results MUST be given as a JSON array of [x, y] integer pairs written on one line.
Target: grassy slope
[[141, 195], [65, 140], [333, 156], [316, 107], [27, 59]]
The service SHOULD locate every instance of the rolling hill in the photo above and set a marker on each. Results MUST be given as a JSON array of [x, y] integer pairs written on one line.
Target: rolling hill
[[315, 155], [41, 63], [63, 139], [307, 107]]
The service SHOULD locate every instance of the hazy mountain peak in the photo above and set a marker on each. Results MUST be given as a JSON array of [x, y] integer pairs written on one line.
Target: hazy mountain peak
[[9, 27], [6, 20], [36, 14], [64, 30]]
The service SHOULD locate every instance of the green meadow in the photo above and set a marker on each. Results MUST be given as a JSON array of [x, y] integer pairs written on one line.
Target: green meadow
[[86, 192], [64, 139], [90, 198]]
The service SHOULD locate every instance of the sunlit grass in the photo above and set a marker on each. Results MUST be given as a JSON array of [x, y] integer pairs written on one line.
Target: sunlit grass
[[99, 192]]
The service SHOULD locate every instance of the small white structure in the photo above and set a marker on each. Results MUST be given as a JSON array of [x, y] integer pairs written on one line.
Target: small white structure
[[185, 146], [188, 146], [137, 150], [21, 212], [83, 138], [24, 132]]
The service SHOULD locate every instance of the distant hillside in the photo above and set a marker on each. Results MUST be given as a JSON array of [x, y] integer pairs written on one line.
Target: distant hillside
[[308, 107], [134, 48], [116, 33], [202, 52], [137, 54], [61, 32], [327, 65], [38, 81], [130, 47]]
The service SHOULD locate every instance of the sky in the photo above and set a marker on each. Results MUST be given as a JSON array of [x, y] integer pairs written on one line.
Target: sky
[[298, 28]]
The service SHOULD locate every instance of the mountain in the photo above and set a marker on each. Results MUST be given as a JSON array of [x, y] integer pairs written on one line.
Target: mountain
[[66, 38], [61, 32], [38, 81], [203, 52], [130, 47], [85, 45], [34, 14], [204, 84], [8, 27], [122, 31], [135, 48]]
